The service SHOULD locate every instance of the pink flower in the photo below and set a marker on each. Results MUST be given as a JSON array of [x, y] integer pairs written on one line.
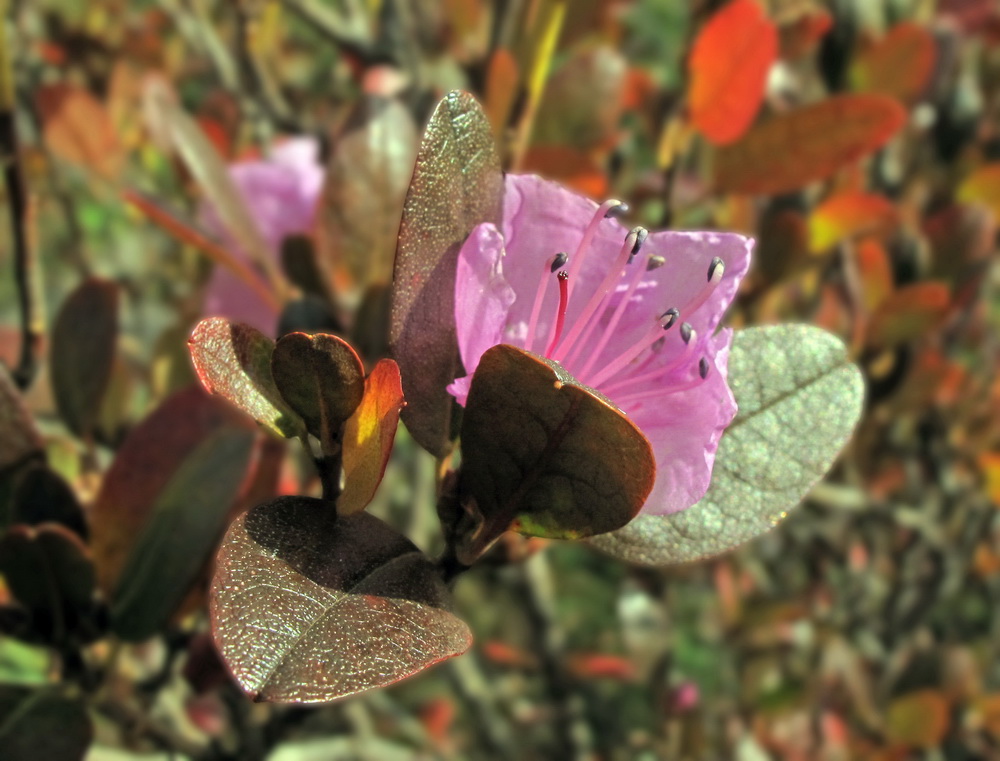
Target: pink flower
[[281, 193], [629, 313]]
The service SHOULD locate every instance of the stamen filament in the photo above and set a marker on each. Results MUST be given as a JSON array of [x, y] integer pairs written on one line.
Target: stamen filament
[[640, 396], [561, 313], [715, 272], [606, 209], [622, 360], [659, 372], [627, 250], [551, 265], [609, 330]]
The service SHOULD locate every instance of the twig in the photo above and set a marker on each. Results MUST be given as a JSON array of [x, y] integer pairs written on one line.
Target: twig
[[17, 198]]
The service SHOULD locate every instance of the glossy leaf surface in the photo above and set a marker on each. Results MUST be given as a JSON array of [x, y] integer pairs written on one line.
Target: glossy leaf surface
[[83, 351], [233, 360], [368, 437], [185, 521], [321, 378], [308, 609], [808, 144], [545, 456], [799, 398], [729, 63], [456, 185]]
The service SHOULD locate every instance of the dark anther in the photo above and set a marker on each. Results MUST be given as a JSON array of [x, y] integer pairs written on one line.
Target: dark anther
[[671, 316], [703, 367], [716, 263], [686, 331], [616, 211], [641, 234], [654, 262], [559, 260]]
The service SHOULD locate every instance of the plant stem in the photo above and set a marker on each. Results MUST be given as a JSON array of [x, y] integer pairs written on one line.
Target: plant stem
[[17, 197]]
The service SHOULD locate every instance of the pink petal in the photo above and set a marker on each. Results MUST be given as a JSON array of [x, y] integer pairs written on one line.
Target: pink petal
[[684, 429], [483, 299]]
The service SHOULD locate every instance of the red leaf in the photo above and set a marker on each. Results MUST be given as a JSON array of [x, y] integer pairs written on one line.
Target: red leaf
[[900, 64], [77, 128], [729, 63], [808, 144]]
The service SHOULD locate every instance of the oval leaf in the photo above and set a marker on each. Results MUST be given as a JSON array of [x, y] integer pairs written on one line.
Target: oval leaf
[[184, 524], [909, 313], [368, 437], [900, 64], [799, 398], [811, 143], [457, 184], [307, 609], [77, 128], [233, 360], [848, 215], [729, 63], [83, 351], [545, 456], [143, 467], [362, 200], [321, 378], [918, 719], [41, 724], [40, 495]]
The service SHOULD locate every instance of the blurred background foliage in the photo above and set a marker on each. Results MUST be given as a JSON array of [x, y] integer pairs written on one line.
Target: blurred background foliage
[[864, 627]]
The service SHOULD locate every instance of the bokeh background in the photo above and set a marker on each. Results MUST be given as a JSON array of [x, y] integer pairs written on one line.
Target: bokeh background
[[857, 140]]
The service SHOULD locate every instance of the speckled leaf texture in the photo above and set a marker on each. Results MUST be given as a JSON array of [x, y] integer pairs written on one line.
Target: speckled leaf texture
[[799, 398], [307, 608], [457, 184], [233, 360]]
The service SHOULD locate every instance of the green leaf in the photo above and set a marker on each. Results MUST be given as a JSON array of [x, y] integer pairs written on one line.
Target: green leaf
[[83, 351], [457, 184], [50, 574], [799, 398], [186, 521], [233, 360], [545, 456], [307, 607], [43, 724], [321, 378], [366, 182]]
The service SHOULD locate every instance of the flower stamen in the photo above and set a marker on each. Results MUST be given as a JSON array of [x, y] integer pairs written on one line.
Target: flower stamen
[[633, 242], [648, 339], [689, 337], [715, 272], [610, 208], [561, 310], [552, 265]]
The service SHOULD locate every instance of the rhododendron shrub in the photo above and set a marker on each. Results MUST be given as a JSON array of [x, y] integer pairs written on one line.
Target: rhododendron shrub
[[568, 371]]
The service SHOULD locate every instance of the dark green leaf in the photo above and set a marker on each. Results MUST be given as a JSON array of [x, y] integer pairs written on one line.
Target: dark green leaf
[[39, 496], [308, 608], [321, 378], [233, 360], [42, 725], [51, 576], [545, 456], [456, 185], [186, 521], [143, 467], [83, 351], [799, 398]]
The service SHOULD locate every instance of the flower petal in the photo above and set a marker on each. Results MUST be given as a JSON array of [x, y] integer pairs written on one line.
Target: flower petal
[[684, 429], [483, 299]]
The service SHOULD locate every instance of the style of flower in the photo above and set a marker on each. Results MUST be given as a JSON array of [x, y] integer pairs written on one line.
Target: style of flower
[[281, 193], [629, 313]]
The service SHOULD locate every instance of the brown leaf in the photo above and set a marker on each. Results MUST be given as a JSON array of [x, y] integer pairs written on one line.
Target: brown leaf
[[76, 127]]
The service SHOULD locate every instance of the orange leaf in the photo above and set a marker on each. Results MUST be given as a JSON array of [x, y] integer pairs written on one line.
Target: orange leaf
[[808, 144], [918, 720], [900, 64], [368, 437], [507, 655], [800, 37], [601, 666], [501, 88], [986, 711], [729, 63], [909, 313], [77, 128], [875, 273], [989, 463], [983, 187], [569, 166], [847, 215]]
